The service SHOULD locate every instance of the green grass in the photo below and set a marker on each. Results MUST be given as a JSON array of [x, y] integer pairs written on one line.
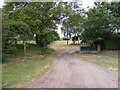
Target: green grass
[[107, 58], [17, 74], [110, 53]]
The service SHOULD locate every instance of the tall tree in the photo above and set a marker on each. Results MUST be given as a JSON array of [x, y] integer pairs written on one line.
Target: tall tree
[[100, 23], [72, 24], [41, 17]]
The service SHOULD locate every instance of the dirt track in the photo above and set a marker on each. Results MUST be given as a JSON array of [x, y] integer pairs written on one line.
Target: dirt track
[[68, 71]]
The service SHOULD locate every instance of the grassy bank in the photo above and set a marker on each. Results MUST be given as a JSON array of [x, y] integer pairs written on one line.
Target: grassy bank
[[17, 74], [106, 58]]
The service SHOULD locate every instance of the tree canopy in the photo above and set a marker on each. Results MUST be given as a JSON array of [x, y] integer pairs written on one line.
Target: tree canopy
[[101, 21]]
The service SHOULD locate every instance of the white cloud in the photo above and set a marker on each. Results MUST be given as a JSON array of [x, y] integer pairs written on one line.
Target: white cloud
[[1, 3], [87, 3]]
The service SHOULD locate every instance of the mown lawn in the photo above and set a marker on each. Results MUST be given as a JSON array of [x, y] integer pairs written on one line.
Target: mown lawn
[[106, 58], [17, 74]]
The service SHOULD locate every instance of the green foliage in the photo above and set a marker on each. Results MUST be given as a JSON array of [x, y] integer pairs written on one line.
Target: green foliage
[[72, 25], [12, 32], [100, 22], [41, 17], [52, 36], [22, 20], [12, 51]]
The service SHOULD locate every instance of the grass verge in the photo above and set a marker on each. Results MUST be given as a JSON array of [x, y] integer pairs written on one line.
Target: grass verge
[[106, 58], [17, 74]]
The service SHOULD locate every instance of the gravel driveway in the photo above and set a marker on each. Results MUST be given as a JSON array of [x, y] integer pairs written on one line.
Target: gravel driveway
[[68, 71]]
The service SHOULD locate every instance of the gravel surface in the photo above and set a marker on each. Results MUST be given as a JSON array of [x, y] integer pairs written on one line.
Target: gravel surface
[[68, 71]]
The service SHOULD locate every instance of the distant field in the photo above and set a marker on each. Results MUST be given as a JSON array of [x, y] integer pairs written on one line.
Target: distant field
[[62, 43]]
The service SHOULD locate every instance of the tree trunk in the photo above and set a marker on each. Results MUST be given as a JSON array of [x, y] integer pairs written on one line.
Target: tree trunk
[[41, 41], [37, 42]]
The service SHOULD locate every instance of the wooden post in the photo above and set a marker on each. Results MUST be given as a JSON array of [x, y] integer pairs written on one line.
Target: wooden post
[[67, 38], [25, 60], [78, 40], [67, 41]]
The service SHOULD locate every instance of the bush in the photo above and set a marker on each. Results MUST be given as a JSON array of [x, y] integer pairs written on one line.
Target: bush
[[4, 58], [13, 50]]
